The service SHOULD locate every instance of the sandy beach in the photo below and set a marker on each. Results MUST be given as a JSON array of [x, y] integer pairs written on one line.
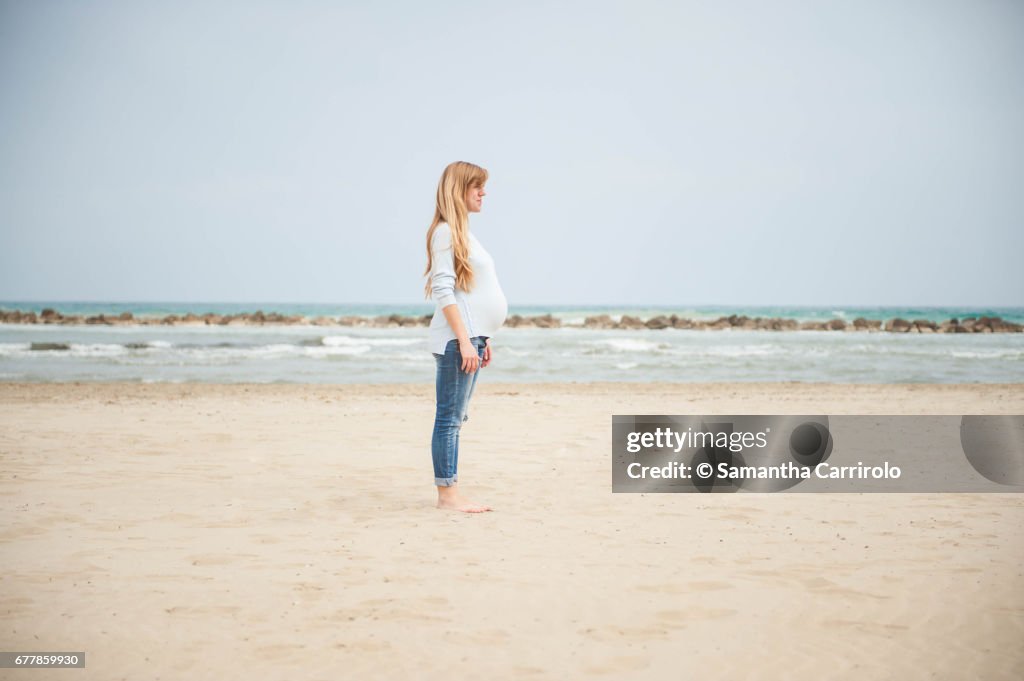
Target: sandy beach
[[204, 531]]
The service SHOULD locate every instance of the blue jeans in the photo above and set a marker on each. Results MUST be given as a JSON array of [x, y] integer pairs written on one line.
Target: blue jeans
[[454, 388]]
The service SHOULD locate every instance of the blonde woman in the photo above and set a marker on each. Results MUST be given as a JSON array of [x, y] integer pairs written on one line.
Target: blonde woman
[[470, 307]]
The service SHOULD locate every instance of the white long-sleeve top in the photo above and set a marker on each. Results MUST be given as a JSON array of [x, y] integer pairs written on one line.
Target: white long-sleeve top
[[483, 309]]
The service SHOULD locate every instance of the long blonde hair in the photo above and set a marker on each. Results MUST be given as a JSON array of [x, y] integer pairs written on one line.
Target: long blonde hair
[[457, 178]]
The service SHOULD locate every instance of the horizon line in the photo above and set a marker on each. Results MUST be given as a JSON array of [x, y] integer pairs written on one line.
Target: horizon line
[[520, 305]]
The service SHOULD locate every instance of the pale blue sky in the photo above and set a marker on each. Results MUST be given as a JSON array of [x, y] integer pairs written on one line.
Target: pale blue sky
[[801, 153]]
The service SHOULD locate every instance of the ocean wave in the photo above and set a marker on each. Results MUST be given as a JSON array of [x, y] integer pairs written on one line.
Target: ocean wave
[[80, 349], [758, 350], [273, 350], [69, 349], [169, 351], [342, 341], [626, 344], [993, 354], [419, 357], [10, 349]]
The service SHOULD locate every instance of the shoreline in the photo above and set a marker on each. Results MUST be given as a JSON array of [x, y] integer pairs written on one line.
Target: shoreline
[[981, 324], [983, 398]]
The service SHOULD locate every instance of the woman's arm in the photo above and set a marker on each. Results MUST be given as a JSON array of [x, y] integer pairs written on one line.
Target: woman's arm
[[470, 360], [451, 313], [442, 282]]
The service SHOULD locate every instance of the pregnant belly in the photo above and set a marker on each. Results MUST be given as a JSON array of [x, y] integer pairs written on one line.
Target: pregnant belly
[[491, 307]]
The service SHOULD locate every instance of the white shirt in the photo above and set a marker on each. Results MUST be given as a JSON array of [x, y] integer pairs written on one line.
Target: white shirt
[[483, 310]]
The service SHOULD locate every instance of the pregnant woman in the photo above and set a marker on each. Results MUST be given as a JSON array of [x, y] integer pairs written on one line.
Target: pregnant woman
[[470, 308]]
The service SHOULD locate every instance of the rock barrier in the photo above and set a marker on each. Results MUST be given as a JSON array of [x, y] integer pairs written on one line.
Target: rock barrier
[[259, 318]]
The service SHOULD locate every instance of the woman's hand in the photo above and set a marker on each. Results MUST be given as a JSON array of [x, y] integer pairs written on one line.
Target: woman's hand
[[470, 358], [487, 353]]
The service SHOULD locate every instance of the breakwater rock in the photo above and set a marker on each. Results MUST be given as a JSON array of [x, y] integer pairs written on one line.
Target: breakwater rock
[[259, 318]]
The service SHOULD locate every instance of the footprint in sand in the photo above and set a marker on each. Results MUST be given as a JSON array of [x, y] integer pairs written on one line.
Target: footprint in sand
[[218, 558], [693, 614], [619, 664], [688, 587]]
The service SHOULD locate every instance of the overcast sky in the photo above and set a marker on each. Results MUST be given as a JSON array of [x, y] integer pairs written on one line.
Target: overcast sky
[[800, 153]]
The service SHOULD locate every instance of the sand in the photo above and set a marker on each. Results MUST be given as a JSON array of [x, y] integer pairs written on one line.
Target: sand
[[289, 532]]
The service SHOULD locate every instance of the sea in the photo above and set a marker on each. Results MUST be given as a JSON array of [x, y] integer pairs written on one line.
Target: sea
[[339, 354]]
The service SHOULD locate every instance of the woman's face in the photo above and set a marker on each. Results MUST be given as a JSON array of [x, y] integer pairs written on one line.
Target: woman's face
[[475, 198]]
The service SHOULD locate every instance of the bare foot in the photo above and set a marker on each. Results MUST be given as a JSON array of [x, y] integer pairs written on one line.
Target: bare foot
[[457, 503]]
